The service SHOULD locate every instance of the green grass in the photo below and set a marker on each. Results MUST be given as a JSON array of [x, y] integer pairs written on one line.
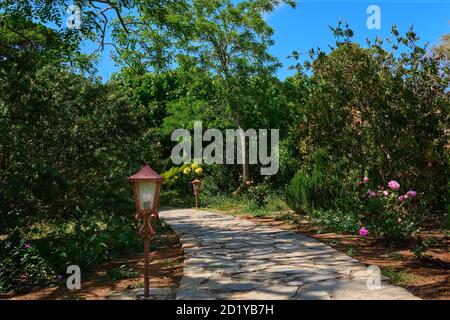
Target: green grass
[[397, 277], [274, 207]]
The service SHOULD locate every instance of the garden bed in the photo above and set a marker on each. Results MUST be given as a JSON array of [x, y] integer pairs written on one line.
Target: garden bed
[[121, 275]]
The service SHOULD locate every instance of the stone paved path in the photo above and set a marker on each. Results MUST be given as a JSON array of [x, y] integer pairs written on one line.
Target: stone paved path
[[230, 258]]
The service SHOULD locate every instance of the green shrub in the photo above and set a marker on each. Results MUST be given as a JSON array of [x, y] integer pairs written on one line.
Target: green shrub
[[122, 272], [89, 242], [177, 198], [22, 266], [219, 180], [177, 188], [343, 206], [258, 194], [448, 216], [336, 220], [305, 191], [387, 113], [389, 213], [276, 203], [85, 243], [326, 183]]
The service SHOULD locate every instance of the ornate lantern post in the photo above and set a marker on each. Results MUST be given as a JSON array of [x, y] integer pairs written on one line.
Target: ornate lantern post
[[146, 185], [196, 186]]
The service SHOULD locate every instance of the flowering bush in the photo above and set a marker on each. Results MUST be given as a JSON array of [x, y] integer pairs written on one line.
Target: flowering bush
[[180, 175], [389, 213], [177, 183]]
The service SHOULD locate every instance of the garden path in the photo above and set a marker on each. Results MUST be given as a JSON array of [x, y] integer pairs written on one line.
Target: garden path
[[230, 258]]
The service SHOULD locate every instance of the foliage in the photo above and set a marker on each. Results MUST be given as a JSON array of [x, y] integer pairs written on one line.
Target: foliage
[[336, 220], [274, 205], [388, 213], [442, 50], [86, 242], [397, 277], [448, 216], [89, 242], [220, 180], [420, 248], [323, 184], [66, 142], [369, 111], [182, 175], [21, 263], [259, 193], [225, 43], [385, 113], [342, 204], [122, 272], [177, 187]]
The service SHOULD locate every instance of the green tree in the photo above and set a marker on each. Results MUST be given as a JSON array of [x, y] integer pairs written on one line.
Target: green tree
[[67, 141], [228, 40], [385, 113], [442, 52]]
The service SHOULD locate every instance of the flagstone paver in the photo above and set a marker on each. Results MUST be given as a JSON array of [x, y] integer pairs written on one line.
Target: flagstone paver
[[230, 258]]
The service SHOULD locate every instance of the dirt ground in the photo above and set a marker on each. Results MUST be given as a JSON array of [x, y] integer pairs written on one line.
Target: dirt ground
[[166, 270], [426, 278]]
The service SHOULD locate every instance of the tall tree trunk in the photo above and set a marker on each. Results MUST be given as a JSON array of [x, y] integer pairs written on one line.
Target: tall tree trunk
[[246, 181]]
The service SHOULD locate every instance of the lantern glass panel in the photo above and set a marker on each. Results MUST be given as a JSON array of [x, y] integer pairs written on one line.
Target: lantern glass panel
[[146, 194], [196, 187]]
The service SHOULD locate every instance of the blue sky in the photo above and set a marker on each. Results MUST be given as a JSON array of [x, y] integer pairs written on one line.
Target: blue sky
[[307, 26]]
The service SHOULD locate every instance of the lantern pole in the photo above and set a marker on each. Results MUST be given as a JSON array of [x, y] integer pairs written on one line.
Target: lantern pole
[[146, 232], [146, 214], [146, 262], [196, 186]]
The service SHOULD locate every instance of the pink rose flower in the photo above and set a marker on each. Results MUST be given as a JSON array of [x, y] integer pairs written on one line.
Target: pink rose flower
[[411, 194], [402, 198], [363, 232], [385, 193], [366, 179], [394, 185]]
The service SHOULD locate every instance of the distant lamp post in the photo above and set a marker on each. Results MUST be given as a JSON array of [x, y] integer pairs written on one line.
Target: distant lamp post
[[196, 185], [146, 185]]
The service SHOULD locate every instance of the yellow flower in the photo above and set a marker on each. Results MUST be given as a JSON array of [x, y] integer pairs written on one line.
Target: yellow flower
[[194, 165], [199, 171], [187, 170]]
